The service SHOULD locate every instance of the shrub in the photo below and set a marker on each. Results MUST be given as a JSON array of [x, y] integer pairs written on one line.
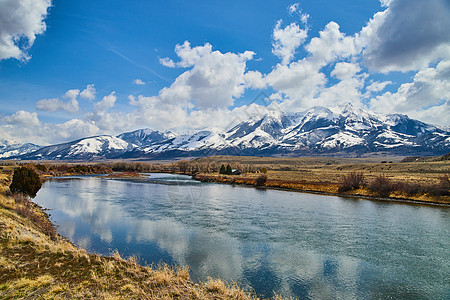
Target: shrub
[[352, 181], [442, 188], [381, 186], [408, 188], [261, 180], [263, 170], [41, 168], [25, 181]]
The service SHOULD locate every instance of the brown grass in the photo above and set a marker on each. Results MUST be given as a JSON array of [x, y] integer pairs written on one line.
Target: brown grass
[[34, 263], [326, 175]]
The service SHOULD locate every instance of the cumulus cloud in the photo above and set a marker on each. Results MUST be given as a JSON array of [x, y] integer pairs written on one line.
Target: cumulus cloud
[[167, 62], [299, 80], [428, 93], [157, 113], [287, 40], [214, 79], [106, 103], [20, 22], [332, 44], [347, 90], [344, 70], [302, 84], [254, 79], [88, 92], [138, 82], [26, 127], [333, 72], [55, 104], [377, 86], [408, 35], [22, 117]]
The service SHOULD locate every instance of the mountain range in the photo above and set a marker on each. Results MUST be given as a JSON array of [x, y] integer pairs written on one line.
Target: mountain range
[[340, 131]]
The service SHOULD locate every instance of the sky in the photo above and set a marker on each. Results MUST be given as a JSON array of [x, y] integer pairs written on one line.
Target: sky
[[76, 68]]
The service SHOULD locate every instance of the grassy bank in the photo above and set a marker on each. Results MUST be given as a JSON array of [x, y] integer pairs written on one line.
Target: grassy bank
[[36, 262], [420, 180], [329, 188]]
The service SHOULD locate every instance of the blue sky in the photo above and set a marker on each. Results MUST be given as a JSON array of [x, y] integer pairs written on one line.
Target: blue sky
[[70, 69]]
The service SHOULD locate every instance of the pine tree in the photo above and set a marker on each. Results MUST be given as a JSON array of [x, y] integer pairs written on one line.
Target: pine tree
[[222, 170], [25, 181], [228, 170]]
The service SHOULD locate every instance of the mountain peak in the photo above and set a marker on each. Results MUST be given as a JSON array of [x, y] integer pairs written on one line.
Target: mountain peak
[[342, 129]]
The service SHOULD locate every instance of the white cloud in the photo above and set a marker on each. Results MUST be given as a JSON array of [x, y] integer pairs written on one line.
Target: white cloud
[[332, 44], [167, 62], [347, 90], [344, 70], [377, 86], [301, 84], [330, 74], [299, 80], [385, 3], [254, 79], [88, 92], [214, 80], [107, 103], [408, 35], [295, 9], [26, 127], [427, 93], [154, 112], [287, 40], [56, 104], [138, 82], [20, 22], [22, 117], [70, 130]]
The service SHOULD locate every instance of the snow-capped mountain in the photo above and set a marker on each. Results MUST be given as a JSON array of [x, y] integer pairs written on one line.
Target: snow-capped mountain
[[9, 148], [343, 130], [145, 137], [103, 146]]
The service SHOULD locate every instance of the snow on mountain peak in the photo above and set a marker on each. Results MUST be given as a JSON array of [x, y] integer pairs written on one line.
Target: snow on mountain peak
[[99, 144], [316, 131]]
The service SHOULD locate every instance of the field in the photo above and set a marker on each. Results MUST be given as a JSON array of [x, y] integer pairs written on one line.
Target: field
[[330, 170], [325, 174]]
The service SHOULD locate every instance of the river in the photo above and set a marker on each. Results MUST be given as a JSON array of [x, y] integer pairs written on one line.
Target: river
[[295, 244]]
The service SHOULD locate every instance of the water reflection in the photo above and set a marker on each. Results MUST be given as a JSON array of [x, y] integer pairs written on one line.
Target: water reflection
[[307, 246]]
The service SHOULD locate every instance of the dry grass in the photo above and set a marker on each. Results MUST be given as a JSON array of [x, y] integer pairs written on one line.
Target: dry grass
[[33, 264], [330, 169], [325, 174]]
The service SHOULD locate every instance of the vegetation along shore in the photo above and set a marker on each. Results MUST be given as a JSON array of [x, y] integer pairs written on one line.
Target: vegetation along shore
[[36, 262]]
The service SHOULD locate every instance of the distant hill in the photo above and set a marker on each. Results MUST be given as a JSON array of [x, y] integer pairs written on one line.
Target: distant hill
[[338, 131], [445, 157]]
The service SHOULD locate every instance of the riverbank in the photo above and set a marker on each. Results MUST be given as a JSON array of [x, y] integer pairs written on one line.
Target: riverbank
[[326, 188], [36, 262]]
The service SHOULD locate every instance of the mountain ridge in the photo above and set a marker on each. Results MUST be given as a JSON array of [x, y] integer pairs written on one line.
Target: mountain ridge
[[342, 131]]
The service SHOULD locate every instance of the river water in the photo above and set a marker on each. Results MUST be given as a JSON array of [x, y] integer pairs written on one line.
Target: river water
[[294, 244]]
